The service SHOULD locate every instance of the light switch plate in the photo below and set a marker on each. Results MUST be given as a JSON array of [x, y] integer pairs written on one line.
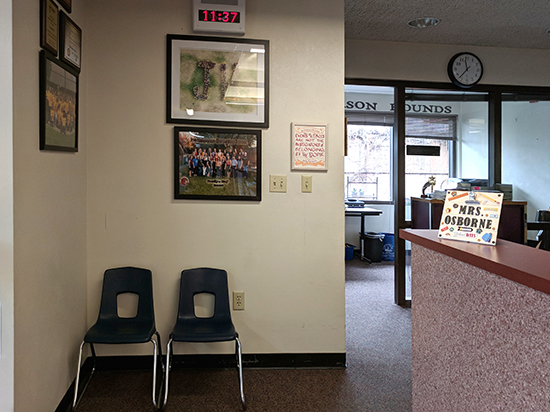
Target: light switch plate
[[277, 183], [307, 181]]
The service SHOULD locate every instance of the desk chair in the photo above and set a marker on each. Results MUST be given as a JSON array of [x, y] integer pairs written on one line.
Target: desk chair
[[190, 328], [112, 329]]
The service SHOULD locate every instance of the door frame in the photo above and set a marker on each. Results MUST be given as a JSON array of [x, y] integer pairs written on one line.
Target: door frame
[[496, 95]]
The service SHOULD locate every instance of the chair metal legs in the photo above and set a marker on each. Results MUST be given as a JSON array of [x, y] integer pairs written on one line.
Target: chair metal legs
[[75, 399], [157, 353], [167, 371], [238, 351], [238, 354], [157, 348]]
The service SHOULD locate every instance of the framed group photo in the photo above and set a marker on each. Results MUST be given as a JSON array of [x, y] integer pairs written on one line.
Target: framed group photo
[[217, 81], [58, 104], [217, 164]]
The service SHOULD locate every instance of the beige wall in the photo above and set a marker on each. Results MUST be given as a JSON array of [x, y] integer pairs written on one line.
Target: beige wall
[[6, 209], [428, 62], [50, 232], [285, 252]]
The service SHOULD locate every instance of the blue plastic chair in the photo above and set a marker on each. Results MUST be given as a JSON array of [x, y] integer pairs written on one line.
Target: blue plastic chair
[[190, 328], [112, 329]]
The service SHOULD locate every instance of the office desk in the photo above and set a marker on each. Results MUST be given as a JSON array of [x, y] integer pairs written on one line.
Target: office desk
[[362, 212]]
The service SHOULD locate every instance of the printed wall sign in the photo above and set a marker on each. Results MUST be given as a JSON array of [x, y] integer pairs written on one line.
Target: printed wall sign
[[471, 216], [309, 147]]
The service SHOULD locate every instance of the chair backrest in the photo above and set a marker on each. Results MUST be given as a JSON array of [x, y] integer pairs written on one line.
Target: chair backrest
[[127, 280], [204, 280]]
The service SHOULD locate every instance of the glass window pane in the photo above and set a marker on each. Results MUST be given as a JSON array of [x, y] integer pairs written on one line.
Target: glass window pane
[[367, 166]]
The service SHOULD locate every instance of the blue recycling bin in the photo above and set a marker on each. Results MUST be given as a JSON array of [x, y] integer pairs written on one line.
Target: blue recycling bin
[[388, 247], [349, 251]]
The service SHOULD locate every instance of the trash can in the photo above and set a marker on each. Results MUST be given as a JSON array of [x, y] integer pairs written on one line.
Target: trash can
[[387, 247], [349, 251], [372, 246]]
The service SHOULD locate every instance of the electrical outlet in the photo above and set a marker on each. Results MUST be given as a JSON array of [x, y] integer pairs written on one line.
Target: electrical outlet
[[238, 300], [307, 181], [277, 183]]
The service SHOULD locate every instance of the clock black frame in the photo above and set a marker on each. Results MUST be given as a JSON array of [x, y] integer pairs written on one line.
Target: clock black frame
[[451, 74]]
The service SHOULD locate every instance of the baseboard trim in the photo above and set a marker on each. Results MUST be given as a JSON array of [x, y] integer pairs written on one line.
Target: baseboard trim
[[66, 404], [250, 361]]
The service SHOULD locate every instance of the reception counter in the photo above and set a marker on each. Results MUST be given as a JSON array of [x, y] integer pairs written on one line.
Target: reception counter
[[480, 325]]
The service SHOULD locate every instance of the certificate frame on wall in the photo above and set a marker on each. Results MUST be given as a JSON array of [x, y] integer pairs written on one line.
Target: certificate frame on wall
[[217, 81], [71, 42], [67, 4], [309, 146], [58, 104], [217, 164], [49, 26]]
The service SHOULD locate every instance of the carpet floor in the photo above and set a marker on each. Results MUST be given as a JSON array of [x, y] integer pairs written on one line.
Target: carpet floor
[[377, 377]]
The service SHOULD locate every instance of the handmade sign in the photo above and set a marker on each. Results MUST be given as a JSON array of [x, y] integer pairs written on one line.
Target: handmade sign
[[471, 216], [309, 147]]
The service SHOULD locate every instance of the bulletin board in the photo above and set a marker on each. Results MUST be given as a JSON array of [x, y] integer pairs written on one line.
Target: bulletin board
[[471, 216], [309, 147]]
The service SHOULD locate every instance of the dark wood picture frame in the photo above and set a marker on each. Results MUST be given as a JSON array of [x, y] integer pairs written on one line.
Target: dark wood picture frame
[[58, 104], [49, 26], [70, 41], [66, 4], [217, 164], [217, 81]]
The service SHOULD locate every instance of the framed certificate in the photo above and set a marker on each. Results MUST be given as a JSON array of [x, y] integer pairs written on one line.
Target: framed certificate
[[67, 4], [71, 42], [49, 26]]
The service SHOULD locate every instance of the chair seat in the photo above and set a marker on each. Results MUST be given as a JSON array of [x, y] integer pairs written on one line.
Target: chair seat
[[120, 331], [199, 330]]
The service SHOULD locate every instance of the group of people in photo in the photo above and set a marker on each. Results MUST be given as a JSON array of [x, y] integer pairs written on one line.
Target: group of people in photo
[[60, 109], [218, 163]]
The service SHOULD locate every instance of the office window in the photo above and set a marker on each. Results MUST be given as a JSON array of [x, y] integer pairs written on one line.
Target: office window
[[368, 164], [431, 132], [367, 167]]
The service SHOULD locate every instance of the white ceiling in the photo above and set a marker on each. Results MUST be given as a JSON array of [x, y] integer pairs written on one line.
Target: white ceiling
[[496, 23]]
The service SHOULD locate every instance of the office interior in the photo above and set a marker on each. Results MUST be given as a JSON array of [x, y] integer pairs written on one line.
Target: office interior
[[67, 217]]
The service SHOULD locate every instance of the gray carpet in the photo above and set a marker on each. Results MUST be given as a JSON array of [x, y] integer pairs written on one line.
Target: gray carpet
[[377, 379]]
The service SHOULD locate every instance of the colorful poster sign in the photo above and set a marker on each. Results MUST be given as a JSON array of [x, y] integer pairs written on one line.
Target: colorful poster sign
[[471, 216], [309, 143]]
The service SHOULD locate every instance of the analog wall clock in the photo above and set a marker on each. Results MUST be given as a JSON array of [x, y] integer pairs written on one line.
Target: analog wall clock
[[465, 69]]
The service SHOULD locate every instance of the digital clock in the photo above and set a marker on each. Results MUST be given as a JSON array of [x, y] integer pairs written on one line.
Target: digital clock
[[220, 16]]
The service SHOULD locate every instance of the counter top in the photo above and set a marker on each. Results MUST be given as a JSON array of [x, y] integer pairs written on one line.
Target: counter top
[[432, 200], [522, 264]]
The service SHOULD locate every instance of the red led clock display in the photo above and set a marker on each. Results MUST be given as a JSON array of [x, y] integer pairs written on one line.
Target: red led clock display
[[220, 16]]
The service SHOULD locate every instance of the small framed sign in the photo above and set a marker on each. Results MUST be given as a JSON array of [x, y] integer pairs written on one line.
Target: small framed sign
[[71, 42], [471, 216], [309, 146], [49, 26]]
